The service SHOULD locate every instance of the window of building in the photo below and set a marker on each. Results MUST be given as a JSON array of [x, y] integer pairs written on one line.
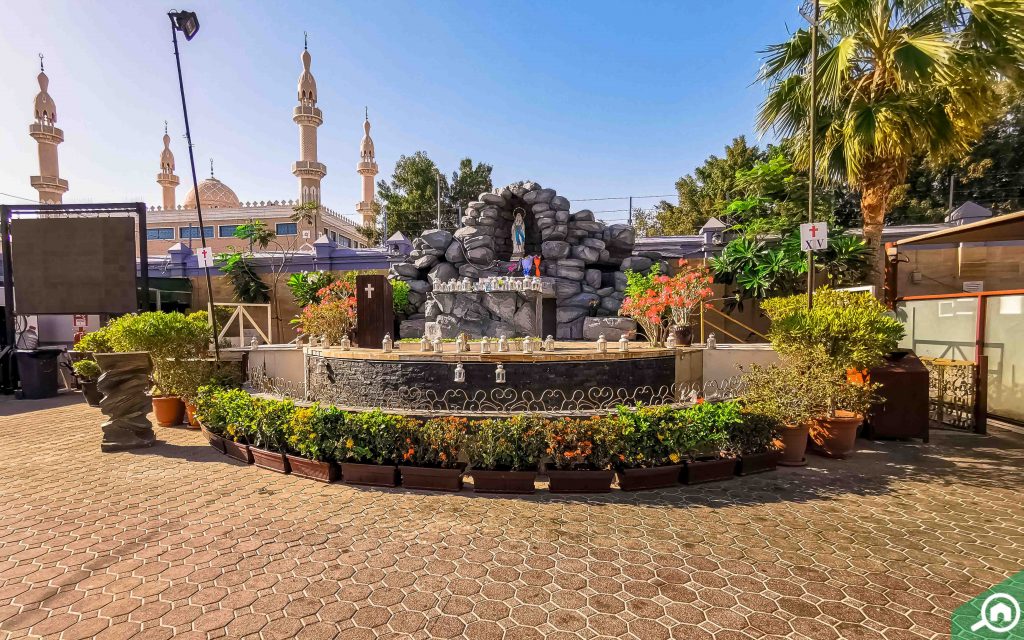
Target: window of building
[[344, 242], [287, 229], [227, 230], [160, 233], [193, 232]]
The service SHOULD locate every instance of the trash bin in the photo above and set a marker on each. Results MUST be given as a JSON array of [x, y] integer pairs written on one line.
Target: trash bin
[[37, 369]]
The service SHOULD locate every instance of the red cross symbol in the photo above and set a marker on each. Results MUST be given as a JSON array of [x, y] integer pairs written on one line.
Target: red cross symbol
[[814, 231]]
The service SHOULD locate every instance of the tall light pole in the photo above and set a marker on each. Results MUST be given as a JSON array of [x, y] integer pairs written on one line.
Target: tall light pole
[[815, 12], [188, 23]]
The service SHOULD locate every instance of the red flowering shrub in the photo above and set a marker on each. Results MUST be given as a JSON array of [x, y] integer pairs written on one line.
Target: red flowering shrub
[[655, 299], [334, 316]]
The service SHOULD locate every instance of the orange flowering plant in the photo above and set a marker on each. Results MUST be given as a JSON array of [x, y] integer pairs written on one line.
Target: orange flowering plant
[[655, 299], [575, 443], [333, 316], [434, 443]]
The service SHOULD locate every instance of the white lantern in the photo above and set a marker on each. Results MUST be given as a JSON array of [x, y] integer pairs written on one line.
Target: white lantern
[[502, 344], [549, 343], [623, 343], [424, 344], [460, 343], [712, 341], [387, 344], [437, 345], [499, 374], [346, 344], [527, 344], [670, 342], [602, 344], [460, 373], [485, 345]]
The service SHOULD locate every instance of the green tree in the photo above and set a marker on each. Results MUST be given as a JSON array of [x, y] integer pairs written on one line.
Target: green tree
[[409, 199], [703, 194], [896, 79]]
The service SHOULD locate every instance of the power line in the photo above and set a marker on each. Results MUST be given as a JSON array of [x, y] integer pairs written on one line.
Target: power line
[[11, 195]]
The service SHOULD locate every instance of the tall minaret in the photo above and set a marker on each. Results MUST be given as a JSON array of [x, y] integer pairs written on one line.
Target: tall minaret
[[166, 177], [308, 117], [48, 183], [367, 168]]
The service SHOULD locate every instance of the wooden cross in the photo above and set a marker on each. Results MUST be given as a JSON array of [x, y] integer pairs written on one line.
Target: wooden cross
[[369, 290]]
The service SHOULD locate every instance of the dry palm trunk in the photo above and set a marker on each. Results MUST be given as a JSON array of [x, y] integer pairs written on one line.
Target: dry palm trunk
[[880, 177]]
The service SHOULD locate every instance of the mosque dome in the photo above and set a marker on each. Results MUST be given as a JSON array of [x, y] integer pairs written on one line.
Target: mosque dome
[[215, 195]]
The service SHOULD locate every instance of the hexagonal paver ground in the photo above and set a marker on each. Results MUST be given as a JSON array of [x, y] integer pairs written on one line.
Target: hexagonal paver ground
[[180, 541]]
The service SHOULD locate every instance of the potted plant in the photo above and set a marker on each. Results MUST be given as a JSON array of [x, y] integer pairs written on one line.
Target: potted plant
[[504, 454], [171, 340], [703, 436], [753, 441], [368, 448], [843, 332], [642, 448], [88, 371], [333, 315], [655, 300], [312, 437], [225, 417], [268, 437], [430, 454], [580, 451]]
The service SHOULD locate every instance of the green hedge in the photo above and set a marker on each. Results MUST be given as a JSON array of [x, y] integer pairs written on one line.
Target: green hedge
[[631, 438]]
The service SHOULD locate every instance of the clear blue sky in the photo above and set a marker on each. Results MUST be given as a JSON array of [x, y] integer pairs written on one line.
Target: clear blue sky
[[594, 99]]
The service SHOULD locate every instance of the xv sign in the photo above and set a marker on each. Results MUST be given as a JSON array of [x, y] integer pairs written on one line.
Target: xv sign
[[813, 236]]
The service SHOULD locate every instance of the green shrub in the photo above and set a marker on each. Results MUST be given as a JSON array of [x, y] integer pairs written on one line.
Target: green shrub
[[306, 285], [507, 444], [313, 432], [755, 433], [644, 437], [703, 429], [371, 437], [170, 338], [95, 342], [853, 328], [230, 413], [87, 370], [580, 443], [400, 296], [434, 443], [271, 427]]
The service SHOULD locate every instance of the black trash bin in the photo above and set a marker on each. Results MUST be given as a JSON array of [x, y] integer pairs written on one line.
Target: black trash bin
[[37, 369]]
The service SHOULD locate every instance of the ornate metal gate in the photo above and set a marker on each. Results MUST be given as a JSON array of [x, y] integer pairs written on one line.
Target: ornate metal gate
[[954, 397]]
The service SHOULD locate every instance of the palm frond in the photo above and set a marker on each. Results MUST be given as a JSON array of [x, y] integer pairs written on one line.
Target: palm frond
[[786, 57]]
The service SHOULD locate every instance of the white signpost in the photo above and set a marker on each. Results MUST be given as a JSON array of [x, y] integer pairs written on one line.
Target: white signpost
[[205, 257], [813, 236]]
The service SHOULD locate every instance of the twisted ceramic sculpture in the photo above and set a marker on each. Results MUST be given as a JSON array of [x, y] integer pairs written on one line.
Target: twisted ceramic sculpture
[[124, 382]]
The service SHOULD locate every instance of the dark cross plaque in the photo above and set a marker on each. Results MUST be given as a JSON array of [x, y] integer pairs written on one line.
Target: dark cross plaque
[[375, 314]]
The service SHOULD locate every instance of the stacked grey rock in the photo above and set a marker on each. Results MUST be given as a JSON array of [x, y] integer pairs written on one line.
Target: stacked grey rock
[[582, 260]]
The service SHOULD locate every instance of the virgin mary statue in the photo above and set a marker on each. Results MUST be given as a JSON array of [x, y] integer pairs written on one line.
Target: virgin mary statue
[[518, 235]]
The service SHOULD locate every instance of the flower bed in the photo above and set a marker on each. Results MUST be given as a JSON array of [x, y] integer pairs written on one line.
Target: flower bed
[[648, 447]]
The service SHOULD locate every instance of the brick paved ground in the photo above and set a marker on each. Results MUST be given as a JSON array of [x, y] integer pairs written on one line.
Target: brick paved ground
[[178, 540]]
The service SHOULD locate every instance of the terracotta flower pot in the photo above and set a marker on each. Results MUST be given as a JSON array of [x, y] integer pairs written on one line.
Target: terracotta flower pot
[[433, 478], [649, 477], [756, 463], [168, 410], [273, 460], [491, 481], [215, 441], [238, 451], [190, 416], [91, 394], [313, 469], [836, 437], [580, 480], [793, 441], [373, 475], [710, 470]]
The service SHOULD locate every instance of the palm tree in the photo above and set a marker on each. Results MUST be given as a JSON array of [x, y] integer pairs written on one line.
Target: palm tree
[[895, 79]]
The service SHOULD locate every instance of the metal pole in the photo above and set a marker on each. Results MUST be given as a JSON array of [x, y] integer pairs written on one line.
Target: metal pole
[[952, 188], [438, 199], [629, 216], [140, 213], [195, 186], [810, 152]]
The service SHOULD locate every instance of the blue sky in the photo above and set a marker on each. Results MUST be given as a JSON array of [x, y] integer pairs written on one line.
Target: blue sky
[[594, 99]]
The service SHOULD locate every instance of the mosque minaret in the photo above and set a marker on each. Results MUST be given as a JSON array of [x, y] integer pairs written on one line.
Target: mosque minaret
[[367, 168], [166, 178], [48, 183], [308, 116]]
